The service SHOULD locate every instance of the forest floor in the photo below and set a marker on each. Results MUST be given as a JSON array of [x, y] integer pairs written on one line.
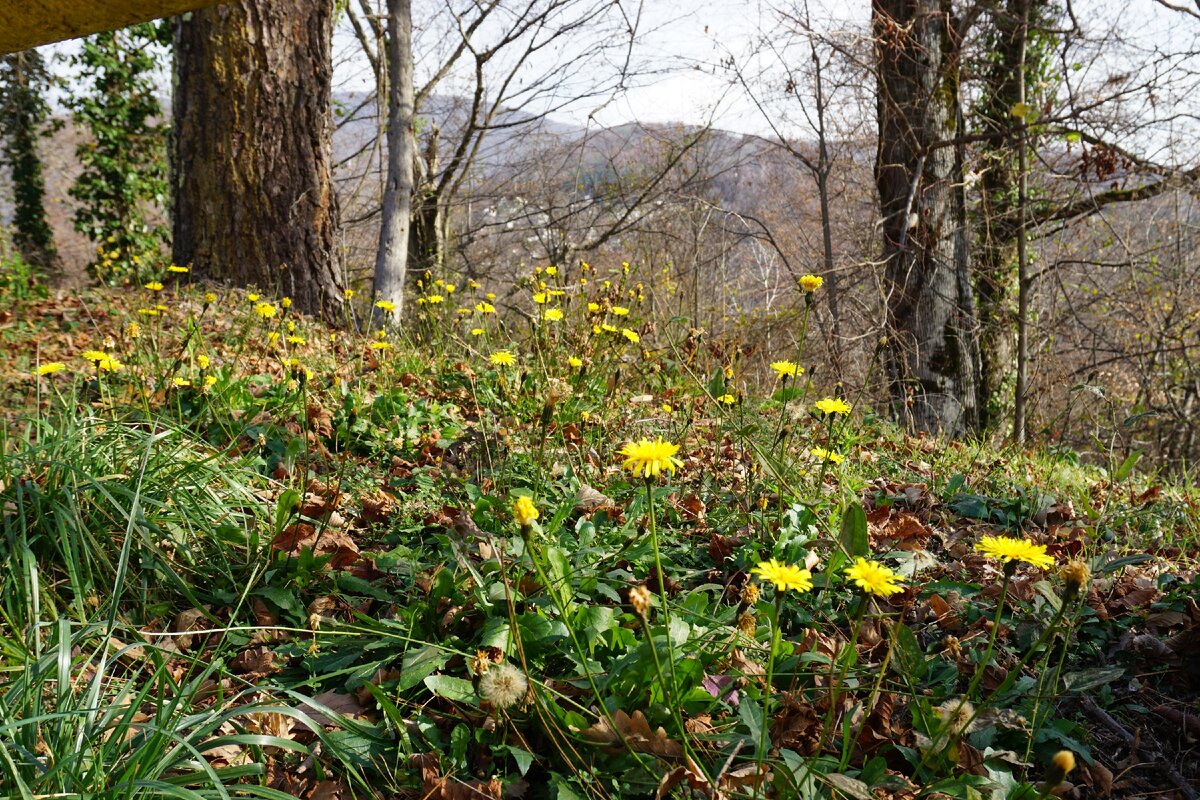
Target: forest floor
[[248, 554]]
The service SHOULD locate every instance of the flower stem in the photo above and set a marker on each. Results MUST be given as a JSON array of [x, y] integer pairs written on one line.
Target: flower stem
[[776, 636]]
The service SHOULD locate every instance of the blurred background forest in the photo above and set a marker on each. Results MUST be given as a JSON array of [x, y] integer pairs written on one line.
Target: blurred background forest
[[1000, 196]]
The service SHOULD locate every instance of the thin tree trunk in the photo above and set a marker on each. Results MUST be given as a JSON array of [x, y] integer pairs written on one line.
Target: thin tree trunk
[[428, 235], [933, 354], [1023, 283], [252, 197], [996, 262], [391, 260]]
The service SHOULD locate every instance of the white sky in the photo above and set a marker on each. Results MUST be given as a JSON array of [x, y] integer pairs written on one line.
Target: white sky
[[687, 38]]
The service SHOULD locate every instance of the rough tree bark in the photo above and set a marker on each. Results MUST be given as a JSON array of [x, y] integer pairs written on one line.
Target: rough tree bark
[[391, 260], [252, 199], [29, 23], [933, 353]]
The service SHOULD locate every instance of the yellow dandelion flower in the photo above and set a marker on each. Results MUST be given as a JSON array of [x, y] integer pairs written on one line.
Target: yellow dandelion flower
[[265, 310], [154, 286], [631, 335], [385, 305], [620, 311], [178, 270], [873, 578], [133, 330], [348, 294], [1009, 549], [109, 364], [210, 297], [810, 283], [524, 511], [252, 297], [93, 355], [784, 576], [477, 331], [786, 369], [434, 299], [502, 358], [552, 271], [293, 339], [485, 308], [181, 382], [148, 312], [648, 458], [833, 405], [608, 328], [553, 315], [593, 307], [574, 363], [203, 361], [381, 345], [827, 455], [286, 302], [51, 367], [209, 380], [540, 298], [727, 399]]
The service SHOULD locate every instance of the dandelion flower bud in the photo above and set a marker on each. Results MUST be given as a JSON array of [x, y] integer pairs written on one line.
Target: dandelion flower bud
[[1060, 766], [1076, 576], [503, 686], [525, 511], [639, 599]]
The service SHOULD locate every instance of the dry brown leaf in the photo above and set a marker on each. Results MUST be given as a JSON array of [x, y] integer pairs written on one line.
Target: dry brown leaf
[[192, 619], [345, 704], [633, 731], [588, 500], [255, 662], [377, 508], [1098, 777], [439, 787], [740, 778]]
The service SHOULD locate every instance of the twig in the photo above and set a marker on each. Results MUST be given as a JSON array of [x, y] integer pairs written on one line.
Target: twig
[[1103, 717]]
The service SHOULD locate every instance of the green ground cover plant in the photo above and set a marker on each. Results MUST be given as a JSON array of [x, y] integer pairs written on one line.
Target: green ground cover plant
[[579, 553]]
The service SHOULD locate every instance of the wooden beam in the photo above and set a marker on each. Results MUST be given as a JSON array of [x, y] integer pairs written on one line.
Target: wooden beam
[[29, 23]]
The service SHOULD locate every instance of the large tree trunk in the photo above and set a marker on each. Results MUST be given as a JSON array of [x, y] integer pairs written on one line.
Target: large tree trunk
[[253, 201], [933, 352], [391, 260]]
